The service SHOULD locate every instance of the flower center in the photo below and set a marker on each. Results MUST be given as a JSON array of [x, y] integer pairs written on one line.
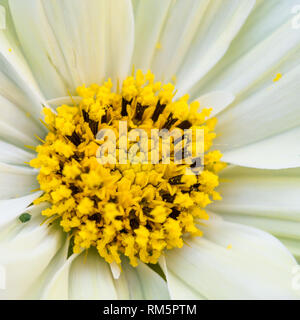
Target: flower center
[[135, 209]]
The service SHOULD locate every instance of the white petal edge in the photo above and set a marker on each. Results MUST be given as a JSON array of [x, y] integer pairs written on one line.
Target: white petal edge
[[270, 23], [11, 209], [149, 19], [176, 35], [121, 39], [264, 114], [257, 266], [217, 100], [264, 193], [16, 181], [88, 276], [11, 154], [219, 28], [25, 255], [277, 152], [140, 283], [13, 61]]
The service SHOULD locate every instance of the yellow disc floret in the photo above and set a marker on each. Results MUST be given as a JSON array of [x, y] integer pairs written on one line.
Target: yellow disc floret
[[135, 209]]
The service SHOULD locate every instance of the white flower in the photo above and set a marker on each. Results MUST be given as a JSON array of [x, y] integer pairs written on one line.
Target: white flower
[[225, 54]]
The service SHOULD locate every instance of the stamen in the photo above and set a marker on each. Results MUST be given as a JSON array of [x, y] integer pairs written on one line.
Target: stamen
[[170, 121], [140, 111], [184, 125], [158, 110]]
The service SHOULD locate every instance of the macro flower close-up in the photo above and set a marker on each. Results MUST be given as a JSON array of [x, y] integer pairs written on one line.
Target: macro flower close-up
[[212, 212]]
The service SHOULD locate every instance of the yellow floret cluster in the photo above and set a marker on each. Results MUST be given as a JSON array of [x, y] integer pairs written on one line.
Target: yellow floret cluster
[[137, 210]]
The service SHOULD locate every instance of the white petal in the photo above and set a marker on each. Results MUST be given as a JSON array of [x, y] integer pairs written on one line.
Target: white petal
[[2, 18], [277, 152], [20, 95], [150, 16], [45, 282], [268, 112], [266, 199], [177, 288], [179, 28], [26, 254], [264, 193], [256, 267], [91, 278], [121, 38], [81, 29], [249, 64], [88, 276], [63, 100], [58, 286], [11, 209], [281, 228], [11, 154], [16, 181], [219, 26], [217, 100], [13, 64], [77, 41], [22, 133], [40, 47], [293, 246], [115, 270], [140, 283]]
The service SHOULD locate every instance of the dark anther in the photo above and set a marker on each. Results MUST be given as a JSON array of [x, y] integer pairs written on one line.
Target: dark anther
[[132, 214], [166, 196], [195, 187], [85, 116], [104, 118], [184, 125], [140, 111], [74, 189], [176, 180], [174, 214], [95, 217], [134, 223], [149, 226], [170, 121], [159, 109], [95, 200], [61, 166], [78, 156], [112, 199], [75, 138], [196, 163], [146, 211], [124, 112], [93, 126], [144, 201]]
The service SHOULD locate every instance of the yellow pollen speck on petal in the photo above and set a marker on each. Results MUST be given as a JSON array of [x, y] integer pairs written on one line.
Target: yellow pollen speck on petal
[[229, 247], [174, 79], [158, 46], [10, 50], [134, 209], [278, 77]]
